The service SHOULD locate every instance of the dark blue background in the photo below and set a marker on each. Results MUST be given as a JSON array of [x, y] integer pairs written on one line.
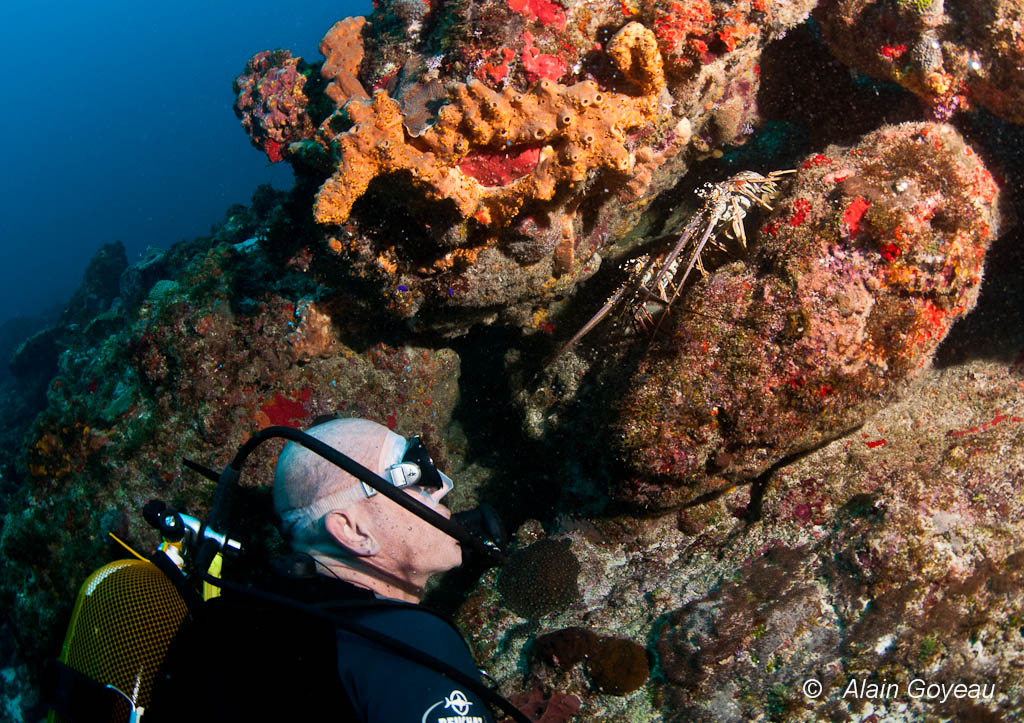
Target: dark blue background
[[116, 123]]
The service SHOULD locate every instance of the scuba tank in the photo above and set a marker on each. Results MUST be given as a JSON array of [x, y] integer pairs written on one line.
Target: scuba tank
[[125, 617], [129, 612]]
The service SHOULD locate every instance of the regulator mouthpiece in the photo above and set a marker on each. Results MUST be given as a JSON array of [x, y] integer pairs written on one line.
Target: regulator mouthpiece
[[483, 523]]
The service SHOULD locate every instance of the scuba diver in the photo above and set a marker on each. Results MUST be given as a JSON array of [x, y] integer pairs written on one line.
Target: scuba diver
[[367, 560], [334, 631]]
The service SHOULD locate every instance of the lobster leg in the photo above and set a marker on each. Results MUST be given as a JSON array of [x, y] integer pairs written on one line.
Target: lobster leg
[[725, 203], [694, 261], [684, 238], [628, 289]]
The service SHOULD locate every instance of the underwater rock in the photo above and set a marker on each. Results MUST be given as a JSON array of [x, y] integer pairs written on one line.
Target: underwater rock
[[894, 580], [193, 372], [952, 55], [869, 257], [616, 666], [773, 605], [15, 332], [100, 284], [492, 167], [564, 648], [139, 278], [88, 311], [889, 555], [37, 355]]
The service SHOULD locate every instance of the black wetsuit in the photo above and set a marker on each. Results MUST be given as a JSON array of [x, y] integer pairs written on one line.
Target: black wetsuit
[[247, 659]]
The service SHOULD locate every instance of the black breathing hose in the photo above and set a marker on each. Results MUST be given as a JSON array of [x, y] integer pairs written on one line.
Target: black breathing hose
[[220, 508], [219, 516]]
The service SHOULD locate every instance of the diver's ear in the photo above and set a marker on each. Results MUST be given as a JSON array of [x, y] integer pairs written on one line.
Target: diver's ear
[[351, 532]]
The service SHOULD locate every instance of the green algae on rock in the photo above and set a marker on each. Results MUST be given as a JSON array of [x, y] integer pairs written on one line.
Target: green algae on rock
[[870, 256]]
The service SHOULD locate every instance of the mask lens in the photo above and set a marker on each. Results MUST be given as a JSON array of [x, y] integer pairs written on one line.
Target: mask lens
[[416, 468], [446, 486], [417, 454]]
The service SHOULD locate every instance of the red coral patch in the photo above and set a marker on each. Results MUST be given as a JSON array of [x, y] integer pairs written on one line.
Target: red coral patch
[[853, 214], [541, 65], [499, 168], [282, 411], [801, 207], [547, 12], [496, 72], [891, 252]]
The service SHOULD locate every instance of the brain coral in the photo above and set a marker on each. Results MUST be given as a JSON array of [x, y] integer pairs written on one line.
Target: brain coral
[[540, 579], [867, 261]]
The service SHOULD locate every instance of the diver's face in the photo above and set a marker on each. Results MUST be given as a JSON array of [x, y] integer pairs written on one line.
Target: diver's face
[[416, 548]]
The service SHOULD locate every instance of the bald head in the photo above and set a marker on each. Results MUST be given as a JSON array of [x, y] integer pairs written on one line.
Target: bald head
[[307, 486], [370, 542]]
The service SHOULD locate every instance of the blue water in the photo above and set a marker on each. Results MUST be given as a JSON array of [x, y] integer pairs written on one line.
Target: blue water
[[116, 123]]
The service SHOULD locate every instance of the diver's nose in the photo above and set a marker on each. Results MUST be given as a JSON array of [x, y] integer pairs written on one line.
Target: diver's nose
[[430, 497], [438, 494]]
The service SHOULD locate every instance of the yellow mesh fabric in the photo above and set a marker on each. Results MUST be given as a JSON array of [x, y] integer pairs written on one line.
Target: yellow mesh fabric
[[125, 617]]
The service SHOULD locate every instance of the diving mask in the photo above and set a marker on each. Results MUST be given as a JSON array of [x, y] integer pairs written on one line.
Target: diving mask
[[415, 468]]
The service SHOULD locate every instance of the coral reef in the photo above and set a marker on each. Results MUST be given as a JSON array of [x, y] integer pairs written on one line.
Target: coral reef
[[226, 344], [509, 161], [889, 555], [787, 481], [589, 128], [491, 153], [271, 102], [952, 55], [868, 259], [342, 48], [100, 285]]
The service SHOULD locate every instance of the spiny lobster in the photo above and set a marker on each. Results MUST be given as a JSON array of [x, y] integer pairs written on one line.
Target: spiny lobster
[[654, 280]]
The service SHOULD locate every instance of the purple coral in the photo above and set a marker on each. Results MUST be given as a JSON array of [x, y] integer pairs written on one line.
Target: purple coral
[[271, 103]]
